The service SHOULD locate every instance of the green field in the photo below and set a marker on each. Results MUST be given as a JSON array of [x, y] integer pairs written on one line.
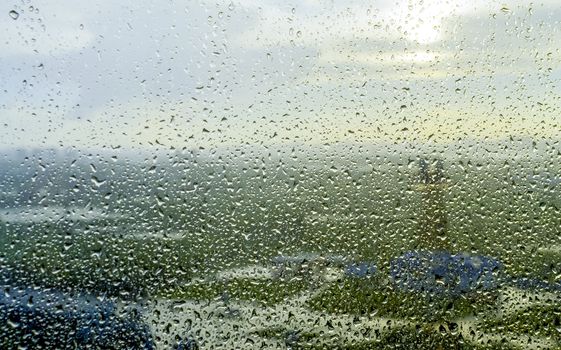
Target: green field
[[230, 217]]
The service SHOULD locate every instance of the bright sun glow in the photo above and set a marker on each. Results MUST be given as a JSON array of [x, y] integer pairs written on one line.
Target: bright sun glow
[[417, 57], [426, 33], [422, 21]]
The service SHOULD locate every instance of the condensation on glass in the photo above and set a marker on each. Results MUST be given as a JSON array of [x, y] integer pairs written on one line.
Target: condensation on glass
[[280, 175]]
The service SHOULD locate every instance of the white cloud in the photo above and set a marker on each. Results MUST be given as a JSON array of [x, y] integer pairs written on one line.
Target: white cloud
[[406, 43]]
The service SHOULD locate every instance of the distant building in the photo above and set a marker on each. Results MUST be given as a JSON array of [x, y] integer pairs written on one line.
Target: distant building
[[433, 222]]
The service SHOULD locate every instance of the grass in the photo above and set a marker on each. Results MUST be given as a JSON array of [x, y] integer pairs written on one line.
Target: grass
[[368, 297], [56, 256], [263, 292], [375, 218], [426, 338], [540, 321], [400, 337]]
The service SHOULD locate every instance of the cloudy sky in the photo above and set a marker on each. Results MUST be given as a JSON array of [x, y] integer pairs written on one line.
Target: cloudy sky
[[139, 74]]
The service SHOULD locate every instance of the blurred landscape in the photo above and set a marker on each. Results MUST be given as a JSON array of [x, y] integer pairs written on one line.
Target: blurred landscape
[[271, 225], [280, 175]]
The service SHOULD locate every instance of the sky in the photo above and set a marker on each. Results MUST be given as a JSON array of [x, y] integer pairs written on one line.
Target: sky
[[107, 74]]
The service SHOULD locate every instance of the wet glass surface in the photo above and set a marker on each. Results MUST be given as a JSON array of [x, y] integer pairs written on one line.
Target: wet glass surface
[[273, 175]]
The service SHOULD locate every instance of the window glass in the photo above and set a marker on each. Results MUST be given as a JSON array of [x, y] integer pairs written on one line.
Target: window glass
[[313, 174]]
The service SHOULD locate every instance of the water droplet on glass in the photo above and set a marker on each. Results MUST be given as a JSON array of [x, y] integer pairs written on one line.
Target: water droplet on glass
[[14, 14]]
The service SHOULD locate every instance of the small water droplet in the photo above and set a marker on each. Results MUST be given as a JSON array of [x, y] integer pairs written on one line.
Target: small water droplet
[[505, 9], [14, 15], [81, 27]]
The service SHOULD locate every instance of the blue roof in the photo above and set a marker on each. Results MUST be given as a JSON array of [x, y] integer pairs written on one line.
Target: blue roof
[[361, 270], [443, 273]]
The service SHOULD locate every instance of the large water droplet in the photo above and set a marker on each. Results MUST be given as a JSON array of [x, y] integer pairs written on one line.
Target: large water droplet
[[14, 14]]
